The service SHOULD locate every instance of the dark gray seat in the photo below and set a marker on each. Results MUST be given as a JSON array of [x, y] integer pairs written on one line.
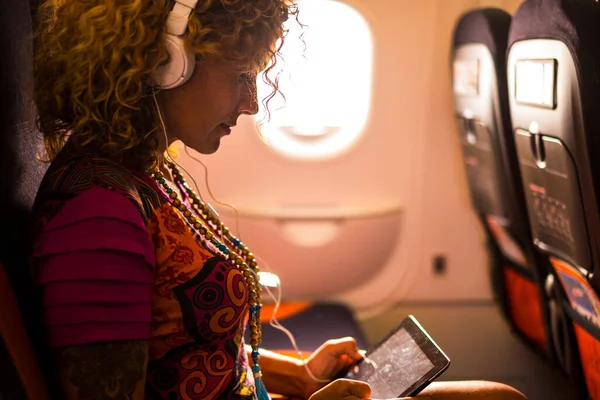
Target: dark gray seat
[[554, 94], [20, 174], [482, 110]]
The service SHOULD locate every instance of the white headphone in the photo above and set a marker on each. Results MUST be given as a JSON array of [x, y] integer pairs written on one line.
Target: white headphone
[[181, 64]]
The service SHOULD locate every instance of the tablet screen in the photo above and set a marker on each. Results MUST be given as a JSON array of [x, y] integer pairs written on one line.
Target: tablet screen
[[401, 363]]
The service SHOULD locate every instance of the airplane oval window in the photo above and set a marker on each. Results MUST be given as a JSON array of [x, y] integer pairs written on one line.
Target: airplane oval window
[[326, 80]]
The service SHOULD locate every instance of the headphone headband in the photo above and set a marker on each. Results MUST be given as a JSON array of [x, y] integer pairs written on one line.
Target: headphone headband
[[179, 16]]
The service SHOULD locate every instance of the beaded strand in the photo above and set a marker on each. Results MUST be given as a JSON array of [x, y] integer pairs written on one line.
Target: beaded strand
[[237, 253]]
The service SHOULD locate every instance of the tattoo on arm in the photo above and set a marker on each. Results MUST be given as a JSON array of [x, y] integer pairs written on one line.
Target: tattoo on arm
[[104, 371]]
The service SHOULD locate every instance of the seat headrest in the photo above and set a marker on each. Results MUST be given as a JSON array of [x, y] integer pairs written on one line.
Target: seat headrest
[[573, 22], [488, 26], [576, 23]]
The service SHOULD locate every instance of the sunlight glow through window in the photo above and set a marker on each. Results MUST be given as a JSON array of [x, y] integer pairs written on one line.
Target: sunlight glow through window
[[327, 86]]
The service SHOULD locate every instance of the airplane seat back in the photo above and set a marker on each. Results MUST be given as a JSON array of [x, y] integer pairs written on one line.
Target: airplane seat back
[[21, 332], [488, 148], [554, 89]]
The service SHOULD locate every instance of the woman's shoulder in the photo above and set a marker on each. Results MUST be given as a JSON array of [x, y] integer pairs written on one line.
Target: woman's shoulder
[[75, 172]]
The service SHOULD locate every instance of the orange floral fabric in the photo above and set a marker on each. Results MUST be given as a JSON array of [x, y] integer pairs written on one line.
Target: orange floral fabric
[[199, 314]]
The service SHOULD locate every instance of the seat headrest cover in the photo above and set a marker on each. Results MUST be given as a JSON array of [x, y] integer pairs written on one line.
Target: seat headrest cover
[[488, 26], [574, 22]]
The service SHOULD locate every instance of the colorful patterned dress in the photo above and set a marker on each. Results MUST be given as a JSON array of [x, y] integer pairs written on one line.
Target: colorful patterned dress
[[114, 260]]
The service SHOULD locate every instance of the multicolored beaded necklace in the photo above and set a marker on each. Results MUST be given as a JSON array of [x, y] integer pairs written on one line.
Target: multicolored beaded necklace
[[209, 229]]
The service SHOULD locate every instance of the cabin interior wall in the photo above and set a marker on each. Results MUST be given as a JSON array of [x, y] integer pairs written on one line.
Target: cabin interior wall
[[410, 152]]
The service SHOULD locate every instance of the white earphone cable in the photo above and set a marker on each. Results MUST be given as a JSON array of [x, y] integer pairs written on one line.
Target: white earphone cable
[[237, 215], [168, 155]]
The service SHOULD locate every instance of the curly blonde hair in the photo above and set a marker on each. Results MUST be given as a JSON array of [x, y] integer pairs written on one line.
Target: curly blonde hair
[[94, 59]]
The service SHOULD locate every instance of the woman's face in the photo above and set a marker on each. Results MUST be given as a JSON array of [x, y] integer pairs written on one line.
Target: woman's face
[[204, 109]]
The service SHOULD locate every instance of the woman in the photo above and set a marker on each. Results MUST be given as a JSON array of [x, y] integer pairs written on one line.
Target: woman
[[146, 294]]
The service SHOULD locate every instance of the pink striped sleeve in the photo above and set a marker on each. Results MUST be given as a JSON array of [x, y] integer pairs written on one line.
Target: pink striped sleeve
[[94, 265]]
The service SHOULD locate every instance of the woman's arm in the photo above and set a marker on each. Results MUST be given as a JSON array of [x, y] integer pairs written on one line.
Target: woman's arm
[[93, 264], [103, 371], [289, 376], [281, 374]]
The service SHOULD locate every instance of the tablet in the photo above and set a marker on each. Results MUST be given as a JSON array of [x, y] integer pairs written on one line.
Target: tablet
[[402, 364]]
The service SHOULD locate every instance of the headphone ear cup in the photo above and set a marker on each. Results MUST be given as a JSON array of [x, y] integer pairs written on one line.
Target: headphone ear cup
[[180, 67]]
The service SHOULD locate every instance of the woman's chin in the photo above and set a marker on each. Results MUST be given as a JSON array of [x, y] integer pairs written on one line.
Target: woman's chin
[[211, 148], [207, 147]]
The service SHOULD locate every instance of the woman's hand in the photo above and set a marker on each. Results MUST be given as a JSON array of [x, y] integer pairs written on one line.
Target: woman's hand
[[328, 360], [343, 389]]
